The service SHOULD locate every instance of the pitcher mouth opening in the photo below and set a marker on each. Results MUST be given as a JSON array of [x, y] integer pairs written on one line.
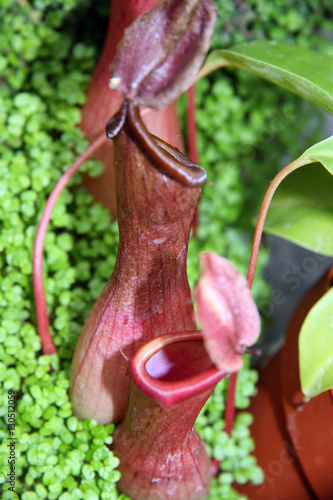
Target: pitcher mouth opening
[[174, 367]]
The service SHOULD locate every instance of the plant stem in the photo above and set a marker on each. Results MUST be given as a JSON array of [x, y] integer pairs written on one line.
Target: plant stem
[[192, 144], [264, 209], [230, 404], [191, 126], [43, 328]]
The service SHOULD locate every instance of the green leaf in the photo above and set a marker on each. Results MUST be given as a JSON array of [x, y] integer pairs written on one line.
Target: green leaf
[[316, 348], [322, 152], [302, 209], [307, 73]]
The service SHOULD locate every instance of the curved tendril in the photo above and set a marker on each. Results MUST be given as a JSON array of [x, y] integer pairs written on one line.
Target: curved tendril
[[170, 161], [263, 212], [252, 267], [48, 346]]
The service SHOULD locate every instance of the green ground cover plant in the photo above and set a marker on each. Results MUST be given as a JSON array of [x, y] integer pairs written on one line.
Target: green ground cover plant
[[41, 93]]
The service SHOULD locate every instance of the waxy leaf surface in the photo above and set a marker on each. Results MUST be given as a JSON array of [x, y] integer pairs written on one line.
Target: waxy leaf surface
[[316, 348], [226, 312], [305, 72]]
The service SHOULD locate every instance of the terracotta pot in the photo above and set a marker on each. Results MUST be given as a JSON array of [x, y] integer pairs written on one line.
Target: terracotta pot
[[293, 439]]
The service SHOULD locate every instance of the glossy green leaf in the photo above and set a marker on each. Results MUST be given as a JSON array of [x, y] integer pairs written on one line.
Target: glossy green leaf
[[316, 348], [302, 209], [307, 73], [322, 152]]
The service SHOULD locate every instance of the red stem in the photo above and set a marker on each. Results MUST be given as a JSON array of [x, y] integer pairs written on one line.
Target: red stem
[[48, 346], [191, 126], [263, 212], [192, 144], [230, 404]]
